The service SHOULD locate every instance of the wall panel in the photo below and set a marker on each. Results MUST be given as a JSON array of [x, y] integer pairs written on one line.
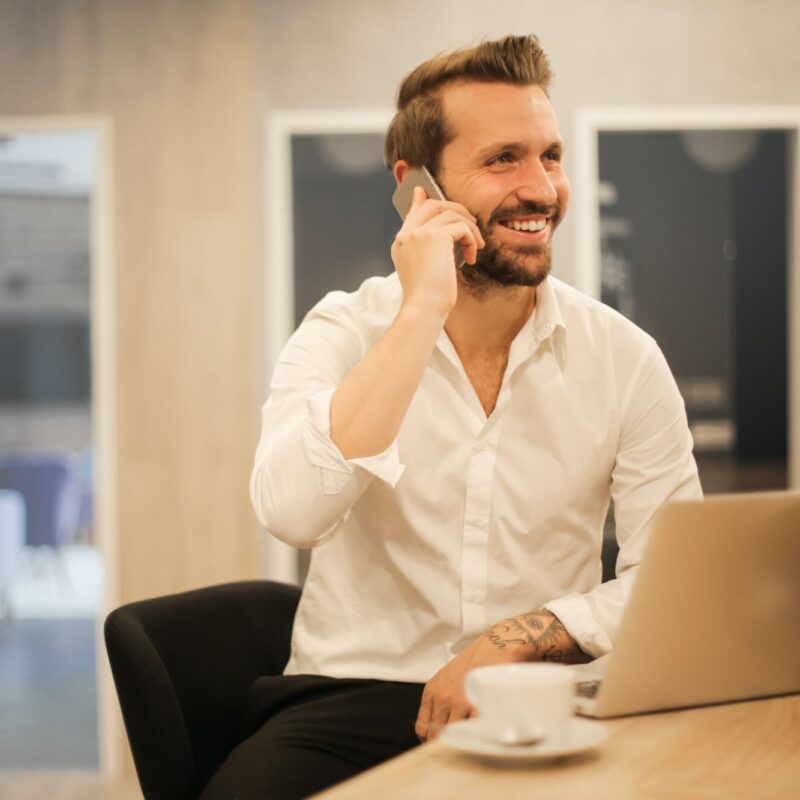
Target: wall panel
[[177, 79]]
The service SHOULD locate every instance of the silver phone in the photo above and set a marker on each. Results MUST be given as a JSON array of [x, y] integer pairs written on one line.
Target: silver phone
[[403, 196]]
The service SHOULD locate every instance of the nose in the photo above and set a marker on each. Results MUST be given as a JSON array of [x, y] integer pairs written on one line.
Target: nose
[[536, 185]]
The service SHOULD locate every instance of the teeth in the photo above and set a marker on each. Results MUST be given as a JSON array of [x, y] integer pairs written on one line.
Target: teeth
[[527, 225]]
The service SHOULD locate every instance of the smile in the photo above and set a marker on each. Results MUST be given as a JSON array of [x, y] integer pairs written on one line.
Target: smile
[[530, 225]]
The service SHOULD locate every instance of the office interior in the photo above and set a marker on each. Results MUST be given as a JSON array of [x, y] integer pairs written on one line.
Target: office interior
[[156, 253]]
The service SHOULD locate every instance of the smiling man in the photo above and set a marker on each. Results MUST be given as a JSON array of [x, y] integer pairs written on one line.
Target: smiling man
[[448, 443]]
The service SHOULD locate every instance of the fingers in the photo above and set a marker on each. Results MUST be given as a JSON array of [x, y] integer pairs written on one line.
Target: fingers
[[434, 711], [418, 197], [423, 254], [442, 710], [439, 716], [424, 715], [424, 209], [465, 235], [451, 217], [452, 222]]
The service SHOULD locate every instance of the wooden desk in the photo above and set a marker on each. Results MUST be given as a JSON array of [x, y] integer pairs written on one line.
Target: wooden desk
[[741, 750]]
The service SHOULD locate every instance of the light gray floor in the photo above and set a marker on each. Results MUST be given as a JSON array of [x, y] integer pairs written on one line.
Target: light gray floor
[[48, 708]]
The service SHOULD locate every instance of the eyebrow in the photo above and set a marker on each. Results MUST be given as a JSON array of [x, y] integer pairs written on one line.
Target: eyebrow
[[516, 147]]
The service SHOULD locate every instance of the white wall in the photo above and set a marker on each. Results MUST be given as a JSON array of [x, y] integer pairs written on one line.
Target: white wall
[[353, 53]]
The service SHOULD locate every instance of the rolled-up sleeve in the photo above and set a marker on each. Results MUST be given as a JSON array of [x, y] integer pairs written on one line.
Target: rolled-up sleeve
[[302, 487], [654, 465]]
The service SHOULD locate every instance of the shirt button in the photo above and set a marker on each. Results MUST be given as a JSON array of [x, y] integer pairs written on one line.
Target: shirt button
[[472, 600]]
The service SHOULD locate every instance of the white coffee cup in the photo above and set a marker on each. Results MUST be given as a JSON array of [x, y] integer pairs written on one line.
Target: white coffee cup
[[522, 702]]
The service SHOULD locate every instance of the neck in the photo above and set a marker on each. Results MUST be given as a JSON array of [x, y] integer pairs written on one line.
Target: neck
[[487, 323]]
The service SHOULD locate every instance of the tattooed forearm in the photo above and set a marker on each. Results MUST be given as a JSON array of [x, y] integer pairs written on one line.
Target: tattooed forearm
[[542, 636], [508, 633]]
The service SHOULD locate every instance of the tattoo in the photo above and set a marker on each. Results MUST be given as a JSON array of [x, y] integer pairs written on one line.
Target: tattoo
[[542, 633], [502, 635]]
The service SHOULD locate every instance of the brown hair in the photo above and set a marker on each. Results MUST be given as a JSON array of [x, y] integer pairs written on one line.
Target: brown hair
[[418, 131]]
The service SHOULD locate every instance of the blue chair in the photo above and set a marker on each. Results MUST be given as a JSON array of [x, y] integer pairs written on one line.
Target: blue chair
[[49, 484]]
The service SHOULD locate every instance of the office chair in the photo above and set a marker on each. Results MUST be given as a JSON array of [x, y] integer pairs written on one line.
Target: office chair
[[47, 481], [183, 665]]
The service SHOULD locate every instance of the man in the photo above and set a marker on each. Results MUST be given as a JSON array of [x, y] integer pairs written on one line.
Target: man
[[448, 442]]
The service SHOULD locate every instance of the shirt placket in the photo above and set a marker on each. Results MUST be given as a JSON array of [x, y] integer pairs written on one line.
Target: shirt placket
[[478, 504], [475, 537]]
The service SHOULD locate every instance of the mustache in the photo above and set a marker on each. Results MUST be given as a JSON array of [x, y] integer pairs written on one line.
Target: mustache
[[524, 209]]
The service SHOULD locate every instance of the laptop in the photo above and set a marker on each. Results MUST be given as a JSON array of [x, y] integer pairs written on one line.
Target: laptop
[[714, 615]]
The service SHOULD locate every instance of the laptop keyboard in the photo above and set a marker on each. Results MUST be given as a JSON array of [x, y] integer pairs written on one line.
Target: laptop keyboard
[[587, 688]]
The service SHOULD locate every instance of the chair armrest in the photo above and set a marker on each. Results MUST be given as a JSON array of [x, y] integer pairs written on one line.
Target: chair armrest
[[183, 665]]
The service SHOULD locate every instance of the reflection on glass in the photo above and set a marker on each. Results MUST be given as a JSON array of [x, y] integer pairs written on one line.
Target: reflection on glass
[[50, 571], [344, 221], [693, 241]]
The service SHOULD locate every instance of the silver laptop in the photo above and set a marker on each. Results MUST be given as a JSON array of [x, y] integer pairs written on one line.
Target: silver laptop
[[714, 615]]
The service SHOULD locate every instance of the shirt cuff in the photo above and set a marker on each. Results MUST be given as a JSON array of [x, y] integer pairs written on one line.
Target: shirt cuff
[[322, 452], [576, 616]]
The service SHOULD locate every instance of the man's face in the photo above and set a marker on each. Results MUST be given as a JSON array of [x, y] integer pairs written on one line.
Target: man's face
[[505, 165]]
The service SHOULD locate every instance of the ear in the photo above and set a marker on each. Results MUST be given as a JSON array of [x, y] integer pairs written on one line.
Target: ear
[[400, 170]]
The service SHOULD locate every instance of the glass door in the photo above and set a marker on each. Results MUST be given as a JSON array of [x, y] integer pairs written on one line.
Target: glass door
[[50, 568]]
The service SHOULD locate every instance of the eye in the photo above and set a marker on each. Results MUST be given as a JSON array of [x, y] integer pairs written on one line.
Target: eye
[[553, 155], [503, 158]]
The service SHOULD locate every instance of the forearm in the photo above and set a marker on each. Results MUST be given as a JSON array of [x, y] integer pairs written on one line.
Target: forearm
[[370, 404], [537, 636]]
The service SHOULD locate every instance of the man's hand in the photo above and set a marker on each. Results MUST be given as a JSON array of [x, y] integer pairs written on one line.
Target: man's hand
[[423, 251], [538, 636]]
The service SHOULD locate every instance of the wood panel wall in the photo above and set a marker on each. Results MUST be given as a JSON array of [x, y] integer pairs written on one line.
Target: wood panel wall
[[177, 78]]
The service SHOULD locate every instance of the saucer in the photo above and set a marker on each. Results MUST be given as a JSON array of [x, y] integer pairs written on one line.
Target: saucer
[[466, 735]]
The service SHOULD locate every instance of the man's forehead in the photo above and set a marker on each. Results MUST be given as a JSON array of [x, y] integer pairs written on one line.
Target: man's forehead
[[481, 111]]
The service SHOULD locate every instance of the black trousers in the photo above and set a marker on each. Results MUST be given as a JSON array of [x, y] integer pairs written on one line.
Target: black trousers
[[310, 732]]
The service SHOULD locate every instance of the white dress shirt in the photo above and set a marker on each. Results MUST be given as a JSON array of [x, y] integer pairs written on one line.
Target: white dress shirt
[[467, 520]]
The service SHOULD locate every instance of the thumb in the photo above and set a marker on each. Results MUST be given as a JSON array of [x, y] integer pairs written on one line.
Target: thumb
[[418, 197]]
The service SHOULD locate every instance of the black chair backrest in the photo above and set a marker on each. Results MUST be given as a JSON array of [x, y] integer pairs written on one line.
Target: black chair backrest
[[183, 666]]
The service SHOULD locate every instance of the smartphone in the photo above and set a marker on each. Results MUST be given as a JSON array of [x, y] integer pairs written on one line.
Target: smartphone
[[403, 196]]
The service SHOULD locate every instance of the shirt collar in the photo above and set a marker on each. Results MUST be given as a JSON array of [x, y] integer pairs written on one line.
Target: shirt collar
[[547, 315], [538, 328]]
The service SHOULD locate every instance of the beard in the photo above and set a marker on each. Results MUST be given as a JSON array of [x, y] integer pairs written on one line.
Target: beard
[[502, 266]]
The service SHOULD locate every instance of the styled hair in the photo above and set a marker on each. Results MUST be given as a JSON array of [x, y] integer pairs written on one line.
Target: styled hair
[[418, 132]]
